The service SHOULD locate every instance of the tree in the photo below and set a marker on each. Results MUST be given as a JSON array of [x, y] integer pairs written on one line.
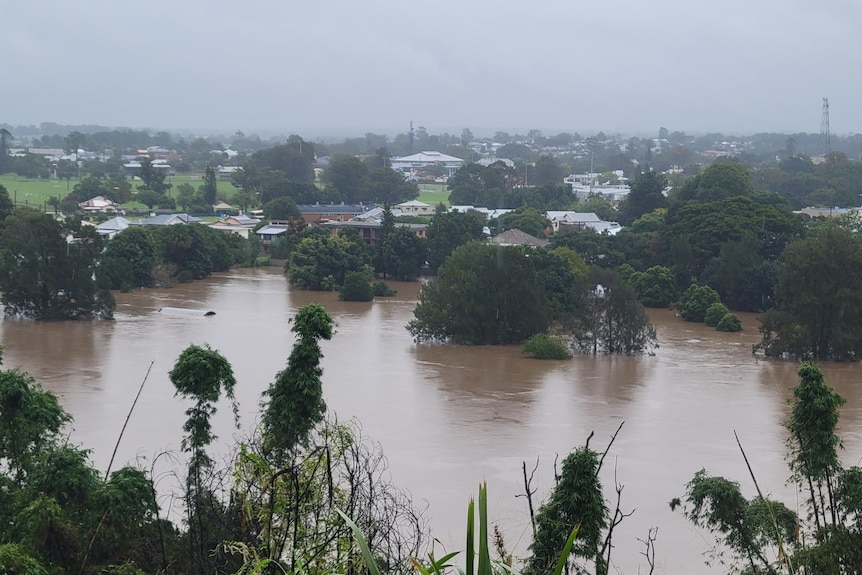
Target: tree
[[545, 171], [209, 187], [186, 247], [483, 294], [5, 137], [409, 253], [185, 195], [695, 301], [656, 287], [283, 208], [153, 177], [819, 299], [449, 230], [42, 276], [356, 287], [384, 256], [764, 536], [528, 220], [294, 404], [320, 263], [202, 375], [129, 259], [6, 205], [714, 314], [646, 195], [613, 322], [346, 175]]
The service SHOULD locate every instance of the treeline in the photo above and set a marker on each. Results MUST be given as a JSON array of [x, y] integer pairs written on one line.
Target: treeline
[[55, 270]]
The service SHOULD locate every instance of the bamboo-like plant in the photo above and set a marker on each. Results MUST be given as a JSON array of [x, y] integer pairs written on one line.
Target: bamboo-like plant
[[484, 566]]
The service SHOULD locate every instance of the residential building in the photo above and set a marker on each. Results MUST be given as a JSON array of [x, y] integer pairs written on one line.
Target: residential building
[[516, 237], [101, 205], [418, 162]]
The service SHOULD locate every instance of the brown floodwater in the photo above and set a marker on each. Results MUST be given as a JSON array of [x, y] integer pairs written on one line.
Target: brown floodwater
[[447, 417]]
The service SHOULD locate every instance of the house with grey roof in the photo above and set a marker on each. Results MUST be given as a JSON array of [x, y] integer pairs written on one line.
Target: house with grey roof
[[112, 227], [167, 220], [516, 237]]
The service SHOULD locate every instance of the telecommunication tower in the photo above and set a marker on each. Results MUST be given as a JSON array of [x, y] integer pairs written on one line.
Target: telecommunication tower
[[825, 139], [410, 151]]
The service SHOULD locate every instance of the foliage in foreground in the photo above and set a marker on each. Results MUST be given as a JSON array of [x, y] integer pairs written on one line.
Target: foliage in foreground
[[759, 535]]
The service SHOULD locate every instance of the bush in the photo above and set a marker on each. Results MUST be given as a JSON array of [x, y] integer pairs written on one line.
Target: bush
[[729, 323], [543, 346], [714, 313], [261, 261], [382, 289], [185, 277], [356, 287], [695, 301]]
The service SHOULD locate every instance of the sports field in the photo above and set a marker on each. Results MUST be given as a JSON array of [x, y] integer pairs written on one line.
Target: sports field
[[37, 192]]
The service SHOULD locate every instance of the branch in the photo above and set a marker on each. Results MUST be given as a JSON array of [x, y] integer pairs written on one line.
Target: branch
[[608, 448], [528, 493], [649, 552]]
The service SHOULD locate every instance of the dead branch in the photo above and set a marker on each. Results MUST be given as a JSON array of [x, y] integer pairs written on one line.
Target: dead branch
[[528, 492], [649, 551], [608, 448], [618, 517]]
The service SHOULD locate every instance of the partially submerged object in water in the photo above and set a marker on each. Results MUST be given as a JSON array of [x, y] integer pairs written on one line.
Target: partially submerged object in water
[[186, 311]]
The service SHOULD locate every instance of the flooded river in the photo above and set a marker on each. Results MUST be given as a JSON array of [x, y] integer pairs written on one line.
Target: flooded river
[[447, 417]]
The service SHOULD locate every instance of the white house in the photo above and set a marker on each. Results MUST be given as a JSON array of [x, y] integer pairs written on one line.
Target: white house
[[417, 162], [415, 208]]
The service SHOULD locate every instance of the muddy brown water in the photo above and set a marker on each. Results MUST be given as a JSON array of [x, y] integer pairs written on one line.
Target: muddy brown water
[[448, 417]]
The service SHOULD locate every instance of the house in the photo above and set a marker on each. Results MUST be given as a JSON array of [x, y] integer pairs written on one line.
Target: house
[[415, 208], [269, 233], [568, 221], [167, 220], [227, 172], [224, 208], [101, 205], [112, 227], [516, 237], [369, 230], [418, 162], [240, 225]]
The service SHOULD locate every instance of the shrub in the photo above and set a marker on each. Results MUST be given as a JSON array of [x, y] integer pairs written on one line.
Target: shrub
[[185, 277], [382, 289], [261, 261], [714, 313], [729, 322], [695, 300], [543, 346], [356, 287]]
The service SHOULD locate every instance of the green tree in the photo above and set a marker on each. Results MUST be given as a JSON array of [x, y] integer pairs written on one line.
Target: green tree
[[613, 320], [186, 248], [293, 404], [347, 175], [656, 287], [576, 499], [356, 287], [153, 177], [409, 253], [5, 138], [695, 301], [131, 257], [714, 313], [646, 195], [283, 208], [483, 294], [449, 230], [6, 205], [729, 322], [819, 299], [202, 375], [528, 220], [209, 187], [384, 256], [44, 276], [320, 263], [185, 195]]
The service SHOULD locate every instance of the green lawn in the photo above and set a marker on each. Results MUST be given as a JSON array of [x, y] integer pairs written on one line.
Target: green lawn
[[37, 192], [433, 197]]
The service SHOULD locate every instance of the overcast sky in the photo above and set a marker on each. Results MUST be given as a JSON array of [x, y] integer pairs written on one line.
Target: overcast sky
[[346, 67]]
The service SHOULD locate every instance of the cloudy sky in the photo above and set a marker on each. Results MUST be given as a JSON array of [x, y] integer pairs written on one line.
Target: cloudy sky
[[345, 67]]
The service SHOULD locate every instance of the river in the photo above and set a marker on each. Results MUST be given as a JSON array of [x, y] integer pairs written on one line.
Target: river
[[448, 417]]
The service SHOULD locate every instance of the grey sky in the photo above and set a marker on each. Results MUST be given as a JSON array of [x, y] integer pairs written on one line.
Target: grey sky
[[344, 67]]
